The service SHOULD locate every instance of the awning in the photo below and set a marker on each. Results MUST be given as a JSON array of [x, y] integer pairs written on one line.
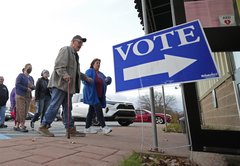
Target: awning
[[158, 13]]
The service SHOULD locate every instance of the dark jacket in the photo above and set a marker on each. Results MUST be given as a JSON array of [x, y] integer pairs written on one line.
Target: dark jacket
[[4, 95], [42, 90]]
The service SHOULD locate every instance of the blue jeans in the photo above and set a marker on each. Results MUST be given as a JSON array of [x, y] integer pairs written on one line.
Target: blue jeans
[[59, 98], [41, 107], [2, 114]]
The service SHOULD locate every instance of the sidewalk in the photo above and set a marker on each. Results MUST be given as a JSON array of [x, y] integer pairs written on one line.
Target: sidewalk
[[56, 151], [94, 149]]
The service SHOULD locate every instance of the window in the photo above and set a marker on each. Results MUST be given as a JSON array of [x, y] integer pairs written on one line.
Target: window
[[236, 59]]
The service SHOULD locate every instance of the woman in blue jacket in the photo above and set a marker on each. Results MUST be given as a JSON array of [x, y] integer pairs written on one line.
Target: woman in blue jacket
[[94, 94], [24, 87]]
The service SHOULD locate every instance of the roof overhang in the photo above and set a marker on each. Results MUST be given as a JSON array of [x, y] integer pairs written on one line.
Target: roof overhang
[[158, 14]]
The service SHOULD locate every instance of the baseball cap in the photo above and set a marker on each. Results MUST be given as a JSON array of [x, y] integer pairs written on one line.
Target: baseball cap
[[78, 37]]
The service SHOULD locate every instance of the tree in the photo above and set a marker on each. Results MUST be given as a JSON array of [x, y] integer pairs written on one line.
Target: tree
[[145, 102]]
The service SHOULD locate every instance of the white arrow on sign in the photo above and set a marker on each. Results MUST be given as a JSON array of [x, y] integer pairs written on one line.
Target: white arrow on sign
[[171, 65]]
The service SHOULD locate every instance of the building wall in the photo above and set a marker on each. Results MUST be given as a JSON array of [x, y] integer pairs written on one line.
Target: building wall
[[225, 114], [219, 111]]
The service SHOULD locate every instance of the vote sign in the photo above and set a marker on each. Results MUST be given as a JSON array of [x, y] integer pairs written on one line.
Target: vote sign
[[174, 55]]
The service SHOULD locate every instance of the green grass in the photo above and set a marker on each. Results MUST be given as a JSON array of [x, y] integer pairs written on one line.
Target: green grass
[[173, 127], [154, 159], [133, 160]]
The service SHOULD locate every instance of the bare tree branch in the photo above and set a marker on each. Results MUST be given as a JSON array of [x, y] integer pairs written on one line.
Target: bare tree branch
[[145, 102]]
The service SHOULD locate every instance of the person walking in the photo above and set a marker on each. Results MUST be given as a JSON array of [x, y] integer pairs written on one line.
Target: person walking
[[65, 77], [94, 94], [42, 97], [24, 87], [4, 95], [13, 104]]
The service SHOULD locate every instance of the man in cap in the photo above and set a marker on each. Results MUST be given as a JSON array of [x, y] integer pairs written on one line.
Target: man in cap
[[65, 78]]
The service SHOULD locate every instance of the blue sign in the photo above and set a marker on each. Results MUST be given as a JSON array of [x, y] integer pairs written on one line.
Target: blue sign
[[174, 55]]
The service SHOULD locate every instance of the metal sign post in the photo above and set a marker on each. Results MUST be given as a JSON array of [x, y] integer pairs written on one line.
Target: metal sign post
[[151, 90]]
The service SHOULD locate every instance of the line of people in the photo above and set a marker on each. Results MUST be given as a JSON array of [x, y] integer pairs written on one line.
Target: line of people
[[52, 93]]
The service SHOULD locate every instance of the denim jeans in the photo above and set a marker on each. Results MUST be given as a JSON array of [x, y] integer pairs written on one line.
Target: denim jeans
[[99, 113], [59, 98], [41, 107], [2, 114]]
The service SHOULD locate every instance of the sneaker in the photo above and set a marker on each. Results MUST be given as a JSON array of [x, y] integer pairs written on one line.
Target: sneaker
[[16, 128], [3, 126], [90, 130], [22, 129], [32, 124], [100, 130], [43, 130], [106, 130], [74, 132]]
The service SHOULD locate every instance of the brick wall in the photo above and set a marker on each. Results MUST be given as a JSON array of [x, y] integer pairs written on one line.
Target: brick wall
[[225, 115]]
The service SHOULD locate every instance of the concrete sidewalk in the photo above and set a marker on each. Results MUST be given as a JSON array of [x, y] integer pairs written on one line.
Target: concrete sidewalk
[[94, 149]]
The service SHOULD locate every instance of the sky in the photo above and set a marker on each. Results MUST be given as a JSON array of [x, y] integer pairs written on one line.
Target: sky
[[33, 31]]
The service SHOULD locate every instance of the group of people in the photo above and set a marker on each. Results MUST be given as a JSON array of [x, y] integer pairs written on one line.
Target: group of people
[[22, 94], [57, 91]]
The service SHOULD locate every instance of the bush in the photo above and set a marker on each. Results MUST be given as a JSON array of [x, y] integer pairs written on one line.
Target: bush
[[173, 127]]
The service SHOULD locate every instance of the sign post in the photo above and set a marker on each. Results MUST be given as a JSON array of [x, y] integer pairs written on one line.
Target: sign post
[[151, 90]]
